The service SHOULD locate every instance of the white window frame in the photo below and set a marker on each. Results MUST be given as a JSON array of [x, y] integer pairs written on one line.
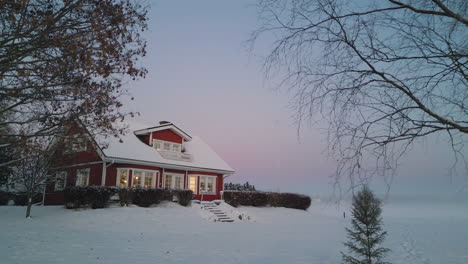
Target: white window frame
[[171, 145], [182, 176], [78, 177], [206, 183], [196, 183], [142, 182], [64, 178], [117, 181]]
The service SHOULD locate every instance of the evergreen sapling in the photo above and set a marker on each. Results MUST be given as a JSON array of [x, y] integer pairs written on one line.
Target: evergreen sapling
[[366, 232]]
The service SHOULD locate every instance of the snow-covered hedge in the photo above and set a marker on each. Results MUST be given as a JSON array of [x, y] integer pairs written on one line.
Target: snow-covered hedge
[[94, 196], [146, 197], [183, 196], [258, 199]]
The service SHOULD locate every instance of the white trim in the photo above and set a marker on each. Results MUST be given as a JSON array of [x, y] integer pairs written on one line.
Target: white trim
[[167, 165], [77, 165], [142, 182], [206, 183], [174, 175]]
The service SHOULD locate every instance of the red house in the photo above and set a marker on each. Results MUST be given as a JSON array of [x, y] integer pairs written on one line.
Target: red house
[[163, 156]]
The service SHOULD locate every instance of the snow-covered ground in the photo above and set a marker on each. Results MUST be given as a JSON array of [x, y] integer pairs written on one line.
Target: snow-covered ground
[[170, 233]]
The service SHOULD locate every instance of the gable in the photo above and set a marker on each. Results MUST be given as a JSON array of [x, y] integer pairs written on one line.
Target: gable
[[63, 155], [167, 135]]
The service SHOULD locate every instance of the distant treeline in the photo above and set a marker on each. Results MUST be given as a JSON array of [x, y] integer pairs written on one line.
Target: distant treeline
[[239, 187]]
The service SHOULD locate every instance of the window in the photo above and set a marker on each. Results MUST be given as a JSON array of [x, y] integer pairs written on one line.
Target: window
[[122, 177], [76, 143], [166, 146], [82, 177], [176, 147], [174, 181], [157, 144], [208, 184], [193, 184], [60, 180], [144, 178]]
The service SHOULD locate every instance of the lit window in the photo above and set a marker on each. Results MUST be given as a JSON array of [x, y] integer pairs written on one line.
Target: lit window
[[193, 184], [82, 177], [148, 179], [60, 180], [157, 144], [143, 178], [168, 181], [208, 184], [122, 177]]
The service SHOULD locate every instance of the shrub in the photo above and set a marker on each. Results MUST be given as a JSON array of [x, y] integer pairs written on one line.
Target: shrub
[[166, 195], [146, 197], [94, 196], [21, 199], [246, 198], [183, 196], [293, 200], [4, 197], [258, 199], [125, 196]]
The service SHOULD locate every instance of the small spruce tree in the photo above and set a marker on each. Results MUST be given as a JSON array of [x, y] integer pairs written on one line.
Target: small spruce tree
[[366, 233]]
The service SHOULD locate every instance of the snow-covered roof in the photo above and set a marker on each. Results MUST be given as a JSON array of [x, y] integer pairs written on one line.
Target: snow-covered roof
[[130, 148]]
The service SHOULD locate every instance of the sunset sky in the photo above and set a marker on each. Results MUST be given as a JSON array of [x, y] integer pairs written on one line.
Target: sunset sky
[[202, 77]]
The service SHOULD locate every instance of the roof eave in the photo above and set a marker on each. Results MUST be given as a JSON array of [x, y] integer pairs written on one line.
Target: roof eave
[[166, 165]]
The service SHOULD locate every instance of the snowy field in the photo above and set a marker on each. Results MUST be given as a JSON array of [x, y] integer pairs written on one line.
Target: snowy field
[[174, 234]]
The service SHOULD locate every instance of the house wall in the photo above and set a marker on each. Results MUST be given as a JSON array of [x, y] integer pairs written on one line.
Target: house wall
[[53, 197], [167, 135]]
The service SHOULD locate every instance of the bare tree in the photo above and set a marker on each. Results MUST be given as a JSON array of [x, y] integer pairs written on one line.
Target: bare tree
[[65, 59], [32, 172], [381, 73]]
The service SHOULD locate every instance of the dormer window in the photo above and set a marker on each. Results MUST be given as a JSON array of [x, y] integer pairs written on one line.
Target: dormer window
[[166, 145]]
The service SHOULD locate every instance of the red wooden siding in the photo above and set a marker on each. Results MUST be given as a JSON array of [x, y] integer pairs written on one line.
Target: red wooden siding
[[167, 135], [53, 198]]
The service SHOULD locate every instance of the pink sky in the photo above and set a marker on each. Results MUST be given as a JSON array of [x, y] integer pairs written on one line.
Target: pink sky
[[202, 78]]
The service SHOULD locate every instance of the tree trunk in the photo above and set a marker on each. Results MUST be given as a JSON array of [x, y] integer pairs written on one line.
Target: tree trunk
[[28, 210]]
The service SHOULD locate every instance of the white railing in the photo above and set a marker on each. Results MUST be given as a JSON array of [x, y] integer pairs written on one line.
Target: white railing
[[176, 156]]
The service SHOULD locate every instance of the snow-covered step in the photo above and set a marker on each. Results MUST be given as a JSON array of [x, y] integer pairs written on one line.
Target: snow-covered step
[[220, 215]]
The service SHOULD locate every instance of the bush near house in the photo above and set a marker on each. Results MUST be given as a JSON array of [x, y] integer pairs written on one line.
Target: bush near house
[[4, 197], [21, 199], [145, 197], [94, 196], [183, 196], [98, 196], [258, 199]]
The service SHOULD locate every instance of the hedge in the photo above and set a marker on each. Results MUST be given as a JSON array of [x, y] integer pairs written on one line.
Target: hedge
[[258, 199], [183, 196], [4, 197], [146, 197], [21, 199], [94, 196]]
